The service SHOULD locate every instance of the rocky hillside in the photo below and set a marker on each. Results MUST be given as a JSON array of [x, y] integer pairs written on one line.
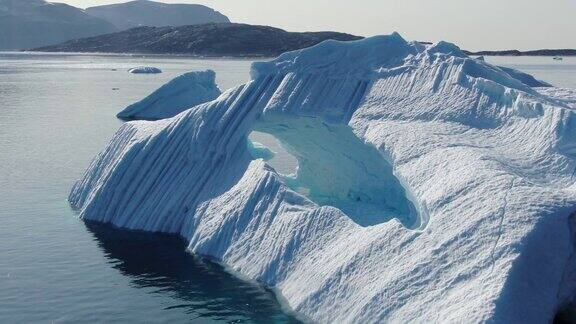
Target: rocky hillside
[[155, 14], [32, 23], [223, 39], [540, 52]]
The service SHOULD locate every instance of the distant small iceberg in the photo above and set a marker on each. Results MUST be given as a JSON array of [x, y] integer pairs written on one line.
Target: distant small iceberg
[[144, 70], [181, 93]]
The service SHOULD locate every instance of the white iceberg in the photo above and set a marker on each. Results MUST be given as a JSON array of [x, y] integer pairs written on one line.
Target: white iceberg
[[431, 187], [183, 92], [145, 70]]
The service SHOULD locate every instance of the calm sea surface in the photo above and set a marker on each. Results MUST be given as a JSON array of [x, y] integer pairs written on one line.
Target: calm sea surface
[[558, 73], [56, 113]]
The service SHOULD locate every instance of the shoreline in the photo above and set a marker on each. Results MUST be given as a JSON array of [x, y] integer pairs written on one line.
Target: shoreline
[[227, 57], [135, 55]]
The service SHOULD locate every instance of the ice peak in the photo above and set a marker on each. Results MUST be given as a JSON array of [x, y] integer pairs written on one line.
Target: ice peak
[[340, 57], [397, 35], [443, 47]]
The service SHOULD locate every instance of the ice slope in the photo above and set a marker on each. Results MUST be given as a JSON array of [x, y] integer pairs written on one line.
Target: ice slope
[[185, 91], [566, 95], [432, 187], [525, 78], [144, 70]]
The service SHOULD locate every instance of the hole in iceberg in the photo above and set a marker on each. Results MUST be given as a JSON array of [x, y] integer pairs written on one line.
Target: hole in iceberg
[[331, 166], [267, 147]]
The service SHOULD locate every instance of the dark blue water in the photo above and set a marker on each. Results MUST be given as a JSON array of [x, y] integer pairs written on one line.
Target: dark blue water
[[203, 289], [56, 113]]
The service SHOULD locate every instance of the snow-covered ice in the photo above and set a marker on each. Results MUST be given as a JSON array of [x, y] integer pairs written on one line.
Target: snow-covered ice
[[183, 92], [525, 78], [565, 95], [145, 70], [431, 187]]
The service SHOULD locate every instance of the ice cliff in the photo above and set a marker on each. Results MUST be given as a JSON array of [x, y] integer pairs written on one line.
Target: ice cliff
[[431, 187], [185, 91]]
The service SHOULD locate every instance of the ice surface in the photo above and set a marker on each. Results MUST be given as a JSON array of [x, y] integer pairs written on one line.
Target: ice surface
[[432, 187], [144, 70], [566, 96], [525, 78], [185, 91]]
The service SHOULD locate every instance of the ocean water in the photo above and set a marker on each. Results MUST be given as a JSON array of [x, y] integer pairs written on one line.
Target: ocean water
[[56, 113], [558, 73]]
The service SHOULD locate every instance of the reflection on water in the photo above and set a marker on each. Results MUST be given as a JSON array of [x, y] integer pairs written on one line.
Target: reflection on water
[[204, 290]]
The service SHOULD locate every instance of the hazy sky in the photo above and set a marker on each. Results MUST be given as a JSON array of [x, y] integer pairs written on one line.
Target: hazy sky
[[471, 24]]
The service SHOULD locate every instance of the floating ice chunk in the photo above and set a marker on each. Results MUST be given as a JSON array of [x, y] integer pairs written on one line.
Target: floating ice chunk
[[431, 187], [183, 92], [144, 70]]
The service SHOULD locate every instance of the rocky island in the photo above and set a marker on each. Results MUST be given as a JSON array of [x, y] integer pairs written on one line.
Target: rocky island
[[210, 40]]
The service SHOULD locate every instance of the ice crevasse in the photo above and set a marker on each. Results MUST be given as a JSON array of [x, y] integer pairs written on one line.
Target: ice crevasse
[[431, 186]]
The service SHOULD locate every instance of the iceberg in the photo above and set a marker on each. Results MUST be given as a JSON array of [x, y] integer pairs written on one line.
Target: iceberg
[[144, 70], [183, 92], [431, 186]]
